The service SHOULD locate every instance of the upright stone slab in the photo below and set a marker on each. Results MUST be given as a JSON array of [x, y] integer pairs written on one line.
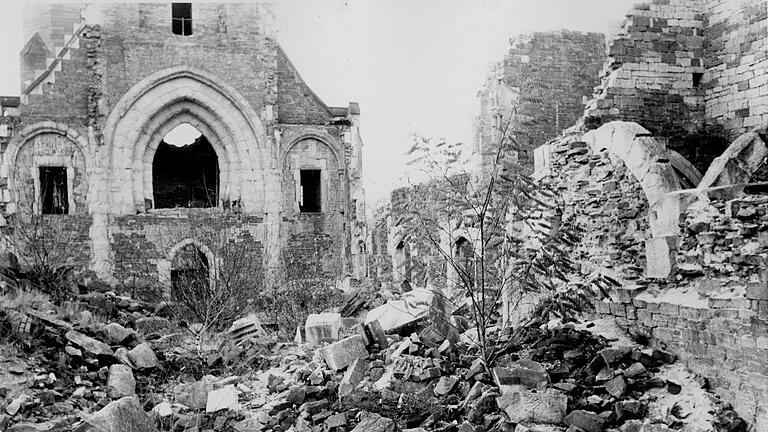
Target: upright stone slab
[[341, 354], [321, 328], [352, 377], [660, 256]]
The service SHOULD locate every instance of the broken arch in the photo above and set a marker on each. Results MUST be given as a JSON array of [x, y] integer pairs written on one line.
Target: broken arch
[[185, 170]]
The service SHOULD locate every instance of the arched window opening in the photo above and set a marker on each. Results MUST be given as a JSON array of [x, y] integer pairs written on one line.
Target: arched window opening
[[464, 260], [185, 170], [190, 273]]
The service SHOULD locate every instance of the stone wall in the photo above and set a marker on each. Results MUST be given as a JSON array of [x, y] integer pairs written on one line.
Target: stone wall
[[538, 89], [719, 327], [654, 76], [144, 246], [736, 83]]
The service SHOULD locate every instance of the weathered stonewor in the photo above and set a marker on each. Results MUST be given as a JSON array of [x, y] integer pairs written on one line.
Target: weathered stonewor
[[341, 354]]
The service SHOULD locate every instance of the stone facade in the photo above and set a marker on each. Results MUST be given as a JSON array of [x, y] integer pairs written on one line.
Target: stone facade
[[103, 85]]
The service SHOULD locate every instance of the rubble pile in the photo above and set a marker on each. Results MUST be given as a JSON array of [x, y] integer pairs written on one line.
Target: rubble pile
[[605, 200], [379, 372], [725, 238]]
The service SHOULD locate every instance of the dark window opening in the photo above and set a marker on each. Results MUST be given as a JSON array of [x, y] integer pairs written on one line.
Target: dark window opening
[[310, 191], [54, 198], [464, 261], [403, 261], [185, 176], [181, 18], [697, 77], [190, 273]]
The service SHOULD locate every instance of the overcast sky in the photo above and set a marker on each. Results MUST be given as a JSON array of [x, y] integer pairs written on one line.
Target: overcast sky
[[413, 65]]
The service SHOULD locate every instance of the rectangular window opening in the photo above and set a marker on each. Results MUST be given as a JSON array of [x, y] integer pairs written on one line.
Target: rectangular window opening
[[181, 18], [54, 197], [697, 76], [310, 191]]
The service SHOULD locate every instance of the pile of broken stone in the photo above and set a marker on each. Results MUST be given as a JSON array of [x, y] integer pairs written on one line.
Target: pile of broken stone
[[386, 370], [722, 237]]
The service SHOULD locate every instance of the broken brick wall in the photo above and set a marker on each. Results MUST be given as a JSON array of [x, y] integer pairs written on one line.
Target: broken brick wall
[[143, 245], [736, 60], [713, 312], [607, 204], [653, 77], [714, 326], [540, 86]]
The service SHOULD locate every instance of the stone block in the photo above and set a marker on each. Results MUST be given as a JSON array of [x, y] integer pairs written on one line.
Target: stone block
[[585, 420], [352, 377], [341, 354], [120, 382], [122, 415], [142, 356], [524, 406], [322, 328], [225, 398], [660, 254]]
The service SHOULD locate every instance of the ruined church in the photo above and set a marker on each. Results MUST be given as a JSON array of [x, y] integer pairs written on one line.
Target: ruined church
[[272, 166]]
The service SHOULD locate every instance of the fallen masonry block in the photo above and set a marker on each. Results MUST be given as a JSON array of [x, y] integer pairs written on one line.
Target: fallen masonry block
[[339, 355], [322, 327], [194, 394], [142, 356], [616, 387], [445, 385], [377, 333], [246, 328], [585, 420], [525, 372], [397, 314], [352, 377], [224, 398], [375, 423], [524, 406], [122, 415], [89, 344], [120, 382], [116, 333]]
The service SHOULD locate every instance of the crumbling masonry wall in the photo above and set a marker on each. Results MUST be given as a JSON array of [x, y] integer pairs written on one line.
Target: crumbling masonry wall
[[539, 86], [689, 71]]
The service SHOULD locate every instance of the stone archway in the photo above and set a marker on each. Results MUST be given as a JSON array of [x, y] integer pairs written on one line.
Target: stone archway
[[46, 144], [160, 102], [165, 267]]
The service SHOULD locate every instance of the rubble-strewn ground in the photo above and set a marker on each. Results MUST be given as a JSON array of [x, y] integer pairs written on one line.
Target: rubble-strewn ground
[[107, 362]]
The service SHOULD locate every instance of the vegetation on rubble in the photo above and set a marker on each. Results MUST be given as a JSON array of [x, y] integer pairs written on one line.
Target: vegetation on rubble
[[498, 237], [297, 289], [211, 288], [40, 242]]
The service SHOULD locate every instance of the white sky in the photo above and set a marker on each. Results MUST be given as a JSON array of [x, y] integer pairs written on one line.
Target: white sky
[[413, 65]]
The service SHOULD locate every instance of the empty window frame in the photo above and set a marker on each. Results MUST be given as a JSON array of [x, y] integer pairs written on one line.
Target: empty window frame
[[310, 199], [181, 18], [54, 197]]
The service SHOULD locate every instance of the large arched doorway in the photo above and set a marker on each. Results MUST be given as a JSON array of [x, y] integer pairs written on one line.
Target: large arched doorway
[[185, 170]]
